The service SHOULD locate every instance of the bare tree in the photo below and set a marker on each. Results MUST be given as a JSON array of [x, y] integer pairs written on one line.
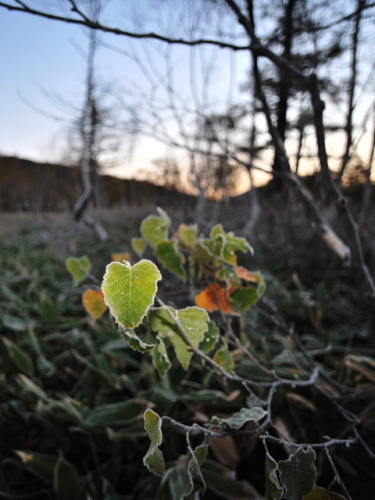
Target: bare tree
[[244, 38], [352, 85]]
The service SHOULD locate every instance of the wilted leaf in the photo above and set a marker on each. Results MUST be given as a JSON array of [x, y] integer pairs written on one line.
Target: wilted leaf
[[20, 357], [237, 420], [194, 322], [134, 341], [93, 301], [214, 298], [120, 257], [194, 478], [274, 490], [319, 493], [155, 229], [78, 268], [210, 337], [224, 358], [154, 459], [171, 257], [130, 291], [245, 274], [298, 473]]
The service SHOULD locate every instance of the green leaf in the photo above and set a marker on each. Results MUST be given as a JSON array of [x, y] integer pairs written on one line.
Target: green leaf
[[194, 322], [155, 229], [210, 337], [49, 312], [261, 288], [319, 493], [78, 268], [110, 414], [160, 356], [27, 385], [19, 357], [45, 367], [40, 464], [217, 231], [194, 478], [237, 420], [32, 339], [187, 234], [229, 275], [202, 450], [243, 298], [236, 244], [298, 473], [134, 341], [225, 244], [224, 358], [163, 214], [169, 255], [65, 479], [66, 411], [130, 291], [138, 245], [154, 459], [13, 323], [203, 255], [274, 491]]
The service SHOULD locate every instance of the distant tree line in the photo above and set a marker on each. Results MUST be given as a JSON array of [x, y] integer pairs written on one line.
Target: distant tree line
[[39, 187]]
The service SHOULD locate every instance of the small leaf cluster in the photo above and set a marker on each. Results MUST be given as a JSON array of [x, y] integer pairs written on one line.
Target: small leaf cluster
[[218, 397]]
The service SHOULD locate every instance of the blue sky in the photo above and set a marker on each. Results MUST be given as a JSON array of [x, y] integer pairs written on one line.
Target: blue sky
[[37, 52]]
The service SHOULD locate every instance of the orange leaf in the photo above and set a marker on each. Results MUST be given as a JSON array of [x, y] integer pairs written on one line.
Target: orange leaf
[[245, 274], [93, 301], [120, 257], [214, 298]]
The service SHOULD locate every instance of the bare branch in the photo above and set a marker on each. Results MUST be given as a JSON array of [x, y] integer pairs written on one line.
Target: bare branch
[[96, 25]]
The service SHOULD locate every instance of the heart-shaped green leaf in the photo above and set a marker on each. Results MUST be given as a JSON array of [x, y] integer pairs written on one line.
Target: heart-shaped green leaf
[[139, 246], [155, 229], [78, 268], [130, 291]]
